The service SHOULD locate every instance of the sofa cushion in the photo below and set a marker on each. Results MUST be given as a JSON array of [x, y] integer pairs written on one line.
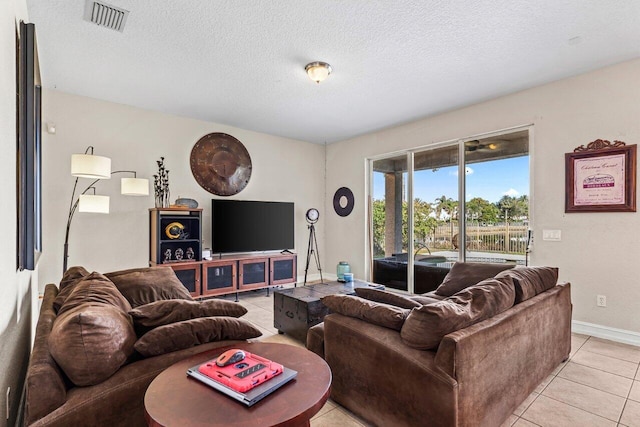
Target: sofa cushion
[[91, 341], [189, 333], [530, 281], [141, 286], [386, 297], [373, 312], [94, 288], [427, 325], [70, 278], [158, 313], [465, 274]]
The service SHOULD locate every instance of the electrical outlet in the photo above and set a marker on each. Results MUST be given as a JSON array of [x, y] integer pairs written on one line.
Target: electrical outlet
[[601, 301], [7, 401]]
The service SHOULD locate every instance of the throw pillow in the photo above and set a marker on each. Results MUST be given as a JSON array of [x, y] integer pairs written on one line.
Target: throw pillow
[[371, 312], [530, 281], [91, 342], [189, 333], [95, 288], [141, 286], [465, 274], [386, 297], [70, 278], [426, 326], [149, 316]]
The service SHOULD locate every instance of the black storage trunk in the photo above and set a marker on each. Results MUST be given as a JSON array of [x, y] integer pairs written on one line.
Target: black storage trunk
[[295, 310]]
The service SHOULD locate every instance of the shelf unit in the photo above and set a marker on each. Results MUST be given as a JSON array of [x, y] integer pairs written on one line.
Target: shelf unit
[[164, 248], [222, 275]]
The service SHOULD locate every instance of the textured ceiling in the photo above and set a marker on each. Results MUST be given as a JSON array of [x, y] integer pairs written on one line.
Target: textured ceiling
[[241, 63]]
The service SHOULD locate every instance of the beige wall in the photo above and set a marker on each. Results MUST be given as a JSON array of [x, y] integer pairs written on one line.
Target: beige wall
[[283, 170], [17, 298], [598, 253]]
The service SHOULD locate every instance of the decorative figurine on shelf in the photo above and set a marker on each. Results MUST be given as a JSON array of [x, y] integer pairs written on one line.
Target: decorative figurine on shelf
[[190, 254], [179, 254], [167, 255], [161, 185]]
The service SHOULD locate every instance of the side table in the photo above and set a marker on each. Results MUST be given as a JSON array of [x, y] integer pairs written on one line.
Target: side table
[[295, 310], [173, 399]]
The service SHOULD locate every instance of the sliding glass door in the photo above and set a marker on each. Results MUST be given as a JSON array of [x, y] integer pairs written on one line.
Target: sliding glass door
[[469, 202]]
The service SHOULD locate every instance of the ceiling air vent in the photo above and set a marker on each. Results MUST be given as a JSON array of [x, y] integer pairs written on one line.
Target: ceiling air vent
[[105, 15]]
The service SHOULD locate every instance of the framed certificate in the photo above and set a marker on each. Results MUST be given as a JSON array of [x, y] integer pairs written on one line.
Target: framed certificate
[[601, 177]]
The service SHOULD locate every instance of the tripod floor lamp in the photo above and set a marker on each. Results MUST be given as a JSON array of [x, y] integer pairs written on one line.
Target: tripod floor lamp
[[94, 167], [312, 217]]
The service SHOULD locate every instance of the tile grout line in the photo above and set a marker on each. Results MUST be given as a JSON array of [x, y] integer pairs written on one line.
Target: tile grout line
[[613, 357], [584, 410], [580, 409], [598, 369]]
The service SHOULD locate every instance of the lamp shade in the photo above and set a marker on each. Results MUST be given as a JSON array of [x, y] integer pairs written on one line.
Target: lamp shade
[[90, 166], [93, 203], [134, 186]]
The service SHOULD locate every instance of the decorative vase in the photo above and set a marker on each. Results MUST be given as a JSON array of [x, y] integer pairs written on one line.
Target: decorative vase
[[343, 267], [161, 185]]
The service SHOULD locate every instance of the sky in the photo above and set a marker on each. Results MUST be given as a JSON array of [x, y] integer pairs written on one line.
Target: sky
[[490, 180]]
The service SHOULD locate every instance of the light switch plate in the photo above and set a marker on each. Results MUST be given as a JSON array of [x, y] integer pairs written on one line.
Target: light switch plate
[[552, 235]]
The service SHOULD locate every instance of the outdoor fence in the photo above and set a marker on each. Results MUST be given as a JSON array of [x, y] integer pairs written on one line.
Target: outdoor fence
[[503, 238]]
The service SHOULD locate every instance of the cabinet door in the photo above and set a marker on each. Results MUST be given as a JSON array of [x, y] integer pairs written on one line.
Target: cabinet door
[[283, 270], [219, 277], [189, 275], [253, 273]]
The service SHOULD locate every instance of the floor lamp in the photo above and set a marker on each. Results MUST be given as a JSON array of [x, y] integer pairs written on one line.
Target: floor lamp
[[94, 167]]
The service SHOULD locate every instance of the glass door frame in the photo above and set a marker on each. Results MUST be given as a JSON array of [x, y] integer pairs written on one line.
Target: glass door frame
[[462, 229]]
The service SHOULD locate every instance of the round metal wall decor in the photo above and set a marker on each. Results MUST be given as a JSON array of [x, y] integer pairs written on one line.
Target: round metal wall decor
[[350, 201], [220, 164]]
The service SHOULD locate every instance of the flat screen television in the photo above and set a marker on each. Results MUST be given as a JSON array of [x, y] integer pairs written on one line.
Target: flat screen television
[[247, 226]]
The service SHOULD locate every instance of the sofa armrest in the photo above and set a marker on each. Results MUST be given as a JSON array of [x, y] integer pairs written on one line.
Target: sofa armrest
[[315, 339], [508, 355]]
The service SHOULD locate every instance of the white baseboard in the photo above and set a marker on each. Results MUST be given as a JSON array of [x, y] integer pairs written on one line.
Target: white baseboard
[[605, 332]]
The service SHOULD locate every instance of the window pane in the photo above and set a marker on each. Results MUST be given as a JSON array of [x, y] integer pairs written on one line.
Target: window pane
[[497, 198], [389, 216], [435, 189]]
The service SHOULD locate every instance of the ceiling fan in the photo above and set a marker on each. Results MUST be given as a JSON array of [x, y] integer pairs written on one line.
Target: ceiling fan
[[486, 145]]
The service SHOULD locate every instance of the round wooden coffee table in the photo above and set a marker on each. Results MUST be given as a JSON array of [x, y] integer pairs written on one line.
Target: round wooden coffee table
[[173, 399]]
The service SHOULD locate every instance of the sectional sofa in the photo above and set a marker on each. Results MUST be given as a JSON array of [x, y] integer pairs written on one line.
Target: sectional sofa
[[101, 339], [467, 354]]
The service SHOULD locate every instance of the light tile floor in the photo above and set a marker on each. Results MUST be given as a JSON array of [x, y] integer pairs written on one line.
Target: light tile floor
[[598, 386]]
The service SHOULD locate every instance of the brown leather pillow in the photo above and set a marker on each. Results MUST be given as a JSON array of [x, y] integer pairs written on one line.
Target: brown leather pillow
[[530, 281], [141, 286], [386, 297], [95, 288], [70, 278], [426, 326], [189, 333], [91, 342], [149, 316], [465, 274], [371, 312]]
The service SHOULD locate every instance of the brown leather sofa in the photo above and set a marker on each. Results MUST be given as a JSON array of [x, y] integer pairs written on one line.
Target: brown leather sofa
[[476, 376], [52, 398]]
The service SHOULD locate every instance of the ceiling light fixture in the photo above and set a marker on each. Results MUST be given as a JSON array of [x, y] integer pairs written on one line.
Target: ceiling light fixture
[[318, 71]]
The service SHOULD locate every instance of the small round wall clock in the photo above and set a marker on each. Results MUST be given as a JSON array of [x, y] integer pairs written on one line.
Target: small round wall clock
[[220, 164]]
